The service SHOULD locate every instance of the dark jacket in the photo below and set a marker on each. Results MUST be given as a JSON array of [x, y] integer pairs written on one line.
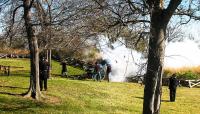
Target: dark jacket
[[97, 68], [173, 82], [64, 66], [44, 67]]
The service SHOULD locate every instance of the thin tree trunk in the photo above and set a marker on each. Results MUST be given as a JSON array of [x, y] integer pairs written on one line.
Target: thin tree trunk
[[34, 89], [49, 60]]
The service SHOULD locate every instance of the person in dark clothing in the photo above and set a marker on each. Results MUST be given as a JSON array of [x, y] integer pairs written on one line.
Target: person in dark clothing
[[44, 67], [97, 69], [90, 70], [173, 83], [108, 71], [64, 68]]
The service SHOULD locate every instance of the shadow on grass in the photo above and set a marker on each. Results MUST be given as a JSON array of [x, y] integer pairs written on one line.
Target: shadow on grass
[[19, 104], [14, 94], [139, 97], [161, 100], [165, 100], [12, 87], [24, 73], [17, 74]]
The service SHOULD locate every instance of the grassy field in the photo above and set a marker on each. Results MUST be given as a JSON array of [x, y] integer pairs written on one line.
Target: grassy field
[[25, 71], [65, 96]]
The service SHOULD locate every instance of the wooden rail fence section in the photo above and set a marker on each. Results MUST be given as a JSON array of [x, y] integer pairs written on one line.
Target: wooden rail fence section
[[6, 69], [193, 83]]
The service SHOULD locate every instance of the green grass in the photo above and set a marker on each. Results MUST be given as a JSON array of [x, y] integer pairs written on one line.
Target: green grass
[[56, 69], [66, 96], [25, 71]]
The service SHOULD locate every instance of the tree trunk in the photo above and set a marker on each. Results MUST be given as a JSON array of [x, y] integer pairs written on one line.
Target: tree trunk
[[34, 88], [49, 60], [153, 82], [48, 56]]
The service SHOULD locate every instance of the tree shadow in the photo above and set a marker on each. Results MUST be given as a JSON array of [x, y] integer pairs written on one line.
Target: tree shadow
[[12, 87], [161, 100], [24, 73], [19, 105], [165, 100], [139, 97], [13, 94]]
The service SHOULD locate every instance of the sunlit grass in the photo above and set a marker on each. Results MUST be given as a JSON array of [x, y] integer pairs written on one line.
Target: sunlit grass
[[66, 96], [25, 71]]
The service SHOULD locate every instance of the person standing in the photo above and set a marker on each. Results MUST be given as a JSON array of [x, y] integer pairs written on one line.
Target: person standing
[[173, 83], [64, 68], [97, 69], [108, 72], [90, 70], [44, 67]]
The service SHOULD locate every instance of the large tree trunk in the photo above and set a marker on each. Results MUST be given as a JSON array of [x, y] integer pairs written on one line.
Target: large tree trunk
[[153, 82], [34, 89]]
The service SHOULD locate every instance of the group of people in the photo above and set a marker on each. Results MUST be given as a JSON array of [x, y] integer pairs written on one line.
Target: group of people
[[96, 72], [99, 71]]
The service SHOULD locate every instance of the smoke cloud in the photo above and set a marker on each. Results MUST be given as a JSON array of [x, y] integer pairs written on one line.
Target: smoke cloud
[[125, 62]]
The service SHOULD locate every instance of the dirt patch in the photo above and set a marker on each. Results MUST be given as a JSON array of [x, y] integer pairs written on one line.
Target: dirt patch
[[52, 100]]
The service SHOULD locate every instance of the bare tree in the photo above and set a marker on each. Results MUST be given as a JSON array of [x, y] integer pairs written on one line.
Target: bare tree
[[63, 21], [156, 14]]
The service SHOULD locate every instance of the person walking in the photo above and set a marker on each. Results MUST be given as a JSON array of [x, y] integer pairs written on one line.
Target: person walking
[[173, 83], [64, 68]]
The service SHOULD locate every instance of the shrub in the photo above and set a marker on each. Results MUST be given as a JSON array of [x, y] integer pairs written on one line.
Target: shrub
[[189, 75], [185, 73]]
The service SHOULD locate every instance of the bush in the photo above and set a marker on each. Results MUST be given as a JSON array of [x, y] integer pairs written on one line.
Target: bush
[[185, 73], [188, 75]]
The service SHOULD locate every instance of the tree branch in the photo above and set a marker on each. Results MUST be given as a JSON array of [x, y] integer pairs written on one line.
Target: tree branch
[[171, 9]]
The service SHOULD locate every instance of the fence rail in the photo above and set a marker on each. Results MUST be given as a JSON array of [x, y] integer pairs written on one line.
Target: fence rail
[[6, 69]]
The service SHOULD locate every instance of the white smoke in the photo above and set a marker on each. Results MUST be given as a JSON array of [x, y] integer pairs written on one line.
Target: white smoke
[[182, 54], [186, 53], [124, 61]]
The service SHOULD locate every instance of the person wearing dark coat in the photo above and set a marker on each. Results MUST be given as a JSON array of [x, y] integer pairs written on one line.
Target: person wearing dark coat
[[90, 70], [44, 67], [173, 83], [97, 70], [108, 71], [64, 68]]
